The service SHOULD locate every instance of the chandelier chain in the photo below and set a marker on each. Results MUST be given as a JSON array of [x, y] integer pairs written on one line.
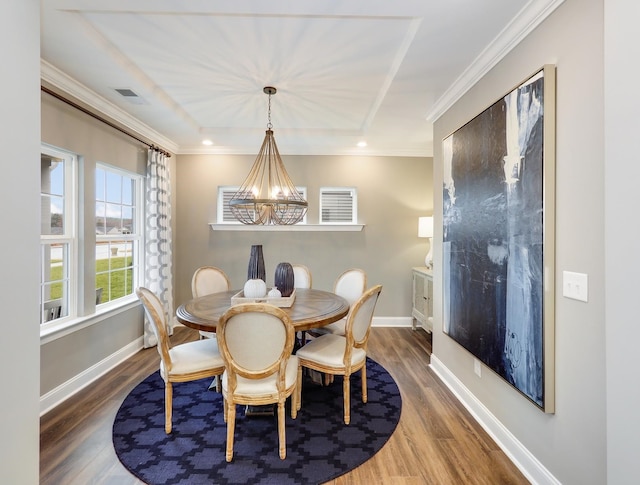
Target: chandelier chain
[[269, 124]]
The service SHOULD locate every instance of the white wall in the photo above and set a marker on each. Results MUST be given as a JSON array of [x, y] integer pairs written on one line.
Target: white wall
[[19, 218], [622, 236], [570, 444]]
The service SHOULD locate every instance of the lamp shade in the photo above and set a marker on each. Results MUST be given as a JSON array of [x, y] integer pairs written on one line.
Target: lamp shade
[[425, 226]]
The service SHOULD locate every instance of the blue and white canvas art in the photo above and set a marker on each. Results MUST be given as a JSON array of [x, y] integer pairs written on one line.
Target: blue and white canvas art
[[494, 237]]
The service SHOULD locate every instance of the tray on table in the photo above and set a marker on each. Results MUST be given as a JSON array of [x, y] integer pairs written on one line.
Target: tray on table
[[280, 301]]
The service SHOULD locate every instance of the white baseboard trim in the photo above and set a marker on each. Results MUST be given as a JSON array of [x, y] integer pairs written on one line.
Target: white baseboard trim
[[64, 391], [391, 322], [526, 462]]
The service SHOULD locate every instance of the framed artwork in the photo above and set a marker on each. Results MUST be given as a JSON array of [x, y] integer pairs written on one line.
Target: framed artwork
[[498, 237]]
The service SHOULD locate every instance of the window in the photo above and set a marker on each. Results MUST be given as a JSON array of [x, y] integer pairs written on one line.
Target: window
[[224, 214], [118, 232], [338, 205], [57, 234]]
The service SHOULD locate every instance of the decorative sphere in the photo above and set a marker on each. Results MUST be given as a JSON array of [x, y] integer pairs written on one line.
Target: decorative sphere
[[274, 293], [255, 288]]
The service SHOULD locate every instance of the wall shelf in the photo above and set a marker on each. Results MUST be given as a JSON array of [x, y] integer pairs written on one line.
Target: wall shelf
[[296, 227]]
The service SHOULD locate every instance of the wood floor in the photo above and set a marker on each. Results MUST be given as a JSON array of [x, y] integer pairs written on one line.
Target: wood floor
[[436, 441]]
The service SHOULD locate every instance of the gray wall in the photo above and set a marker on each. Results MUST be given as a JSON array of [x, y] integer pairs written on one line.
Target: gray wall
[[570, 443], [19, 199], [392, 193]]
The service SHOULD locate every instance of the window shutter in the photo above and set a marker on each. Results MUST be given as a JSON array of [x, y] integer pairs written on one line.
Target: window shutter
[[338, 205]]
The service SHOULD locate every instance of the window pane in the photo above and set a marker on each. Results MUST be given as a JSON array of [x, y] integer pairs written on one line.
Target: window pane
[[101, 219], [114, 269], [100, 182], [52, 196], [56, 172], [114, 218], [127, 191], [127, 220], [114, 188], [54, 281]]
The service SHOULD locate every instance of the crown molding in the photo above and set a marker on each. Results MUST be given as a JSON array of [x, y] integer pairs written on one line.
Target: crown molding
[[63, 82], [531, 15]]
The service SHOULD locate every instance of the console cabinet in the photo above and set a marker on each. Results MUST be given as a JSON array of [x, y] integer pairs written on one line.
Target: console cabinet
[[422, 312]]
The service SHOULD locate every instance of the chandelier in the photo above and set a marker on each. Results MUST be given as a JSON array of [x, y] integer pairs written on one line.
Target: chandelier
[[268, 196]]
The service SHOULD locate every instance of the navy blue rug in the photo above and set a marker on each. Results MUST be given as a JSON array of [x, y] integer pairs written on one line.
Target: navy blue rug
[[320, 447]]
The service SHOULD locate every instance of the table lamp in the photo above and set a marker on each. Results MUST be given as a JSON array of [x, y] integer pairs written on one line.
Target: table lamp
[[425, 229]]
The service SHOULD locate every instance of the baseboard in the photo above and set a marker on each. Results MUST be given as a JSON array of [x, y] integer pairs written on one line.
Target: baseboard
[[391, 322], [64, 391], [526, 462]]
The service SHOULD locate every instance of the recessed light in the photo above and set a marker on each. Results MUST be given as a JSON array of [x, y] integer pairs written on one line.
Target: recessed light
[[362, 143], [207, 142]]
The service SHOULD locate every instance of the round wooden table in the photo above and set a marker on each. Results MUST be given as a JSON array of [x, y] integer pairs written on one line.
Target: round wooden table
[[311, 309]]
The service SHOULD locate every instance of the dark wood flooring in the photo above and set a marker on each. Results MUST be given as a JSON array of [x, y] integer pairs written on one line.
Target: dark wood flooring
[[436, 442]]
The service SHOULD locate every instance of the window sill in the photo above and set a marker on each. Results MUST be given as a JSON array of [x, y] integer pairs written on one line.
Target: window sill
[[295, 227], [55, 330]]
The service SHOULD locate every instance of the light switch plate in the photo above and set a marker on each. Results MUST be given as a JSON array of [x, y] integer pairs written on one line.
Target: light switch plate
[[575, 286]]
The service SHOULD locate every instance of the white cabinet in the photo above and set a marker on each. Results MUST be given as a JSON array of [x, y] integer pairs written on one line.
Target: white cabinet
[[422, 311]]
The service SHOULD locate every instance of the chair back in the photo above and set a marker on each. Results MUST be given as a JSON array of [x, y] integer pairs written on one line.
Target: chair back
[[360, 317], [256, 341], [301, 276], [155, 312], [350, 285], [207, 280]]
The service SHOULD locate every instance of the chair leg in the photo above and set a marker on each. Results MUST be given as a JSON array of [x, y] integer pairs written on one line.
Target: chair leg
[[298, 391], [364, 383], [346, 390], [168, 407], [282, 440], [231, 424], [224, 409], [294, 402]]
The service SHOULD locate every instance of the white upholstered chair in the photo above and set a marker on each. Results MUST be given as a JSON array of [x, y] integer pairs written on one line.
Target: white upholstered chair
[[343, 355], [256, 341], [301, 276], [207, 280], [182, 363], [301, 279], [350, 285]]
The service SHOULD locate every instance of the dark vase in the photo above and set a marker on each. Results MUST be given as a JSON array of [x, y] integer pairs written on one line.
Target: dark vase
[[283, 279], [256, 269]]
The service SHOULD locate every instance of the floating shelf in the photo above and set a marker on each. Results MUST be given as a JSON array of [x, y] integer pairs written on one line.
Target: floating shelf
[[295, 227]]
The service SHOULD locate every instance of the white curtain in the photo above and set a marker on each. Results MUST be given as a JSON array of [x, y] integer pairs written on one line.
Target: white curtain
[[157, 276]]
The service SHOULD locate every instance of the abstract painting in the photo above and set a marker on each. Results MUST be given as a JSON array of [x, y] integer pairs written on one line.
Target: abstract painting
[[498, 240]]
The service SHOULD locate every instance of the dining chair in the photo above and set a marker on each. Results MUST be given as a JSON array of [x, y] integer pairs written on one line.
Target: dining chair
[[350, 285], [207, 280], [256, 341], [301, 279], [181, 363], [301, 276], [343, 355]]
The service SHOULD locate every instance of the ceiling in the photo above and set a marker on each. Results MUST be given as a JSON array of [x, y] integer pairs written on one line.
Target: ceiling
[[345, 70]]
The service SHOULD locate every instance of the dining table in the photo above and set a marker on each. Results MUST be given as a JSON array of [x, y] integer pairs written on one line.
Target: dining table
[[311, 309]]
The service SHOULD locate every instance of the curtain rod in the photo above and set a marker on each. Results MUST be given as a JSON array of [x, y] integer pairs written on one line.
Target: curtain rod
[[105, 121]]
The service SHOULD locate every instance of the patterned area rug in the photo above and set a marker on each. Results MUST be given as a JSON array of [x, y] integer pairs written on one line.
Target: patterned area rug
[[320, 447]]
